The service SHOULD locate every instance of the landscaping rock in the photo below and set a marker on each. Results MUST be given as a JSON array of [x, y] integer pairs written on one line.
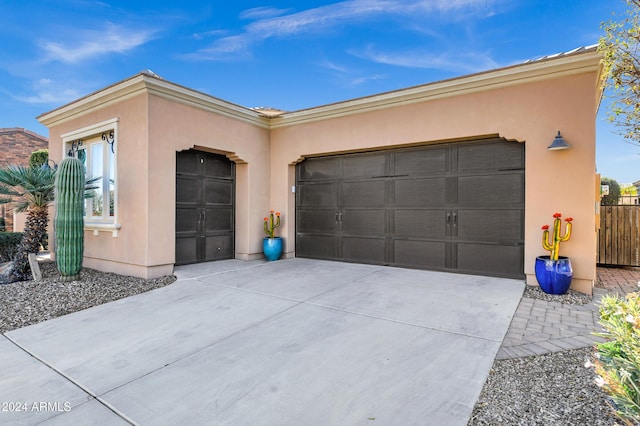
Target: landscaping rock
[[24, 303], [6, 273]]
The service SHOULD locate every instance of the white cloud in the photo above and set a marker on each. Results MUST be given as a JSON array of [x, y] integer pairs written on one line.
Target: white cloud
[[212, 33], [231, 47], [111, 39], [349, 77], [467, 62], [47, 91], [333, 66], [320, 19], [357, 81], [449, 5], [262, 13]]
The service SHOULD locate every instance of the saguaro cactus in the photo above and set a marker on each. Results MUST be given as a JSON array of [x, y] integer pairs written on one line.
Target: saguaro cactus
[[271, 223], [553, 243], [68, 223]]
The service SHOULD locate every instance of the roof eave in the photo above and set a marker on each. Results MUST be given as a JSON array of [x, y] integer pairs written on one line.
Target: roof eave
[[577, 63], [145, 83]]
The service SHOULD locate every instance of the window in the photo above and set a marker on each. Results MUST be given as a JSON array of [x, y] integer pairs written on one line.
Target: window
[[96, 147]]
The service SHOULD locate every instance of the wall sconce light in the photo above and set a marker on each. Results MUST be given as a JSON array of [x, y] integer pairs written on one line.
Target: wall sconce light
[[558, 143]]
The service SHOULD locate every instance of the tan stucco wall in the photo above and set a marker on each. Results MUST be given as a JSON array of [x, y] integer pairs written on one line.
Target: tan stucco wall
[[151, 129], [524, 104], [127, 252], [556, 181]]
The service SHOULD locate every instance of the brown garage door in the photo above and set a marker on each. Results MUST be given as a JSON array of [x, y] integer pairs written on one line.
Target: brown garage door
[[204, 207], [452, 207]]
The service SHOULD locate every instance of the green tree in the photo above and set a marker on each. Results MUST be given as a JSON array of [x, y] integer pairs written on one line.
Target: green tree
[[628, 190], [39, 158], [614, 192], [621, 59], [31, 190]]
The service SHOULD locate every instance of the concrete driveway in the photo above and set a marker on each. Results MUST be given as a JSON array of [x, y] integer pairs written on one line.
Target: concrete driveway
[[293, 342]]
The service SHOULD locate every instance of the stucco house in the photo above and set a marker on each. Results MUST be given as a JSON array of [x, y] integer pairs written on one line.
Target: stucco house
[[454, 175]]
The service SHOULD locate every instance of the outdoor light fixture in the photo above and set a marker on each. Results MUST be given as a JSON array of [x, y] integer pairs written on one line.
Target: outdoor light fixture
[[558, 144]]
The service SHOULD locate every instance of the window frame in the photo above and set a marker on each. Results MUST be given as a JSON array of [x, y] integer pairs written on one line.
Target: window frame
[[94, 223]]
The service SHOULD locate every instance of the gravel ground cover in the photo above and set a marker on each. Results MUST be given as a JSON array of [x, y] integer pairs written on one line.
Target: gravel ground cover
[[29, 302], [569, 298], [551, 389]]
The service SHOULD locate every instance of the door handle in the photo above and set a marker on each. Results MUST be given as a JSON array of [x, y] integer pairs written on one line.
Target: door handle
[[455, 219], [337, 217], [340, 217], [448, 218]]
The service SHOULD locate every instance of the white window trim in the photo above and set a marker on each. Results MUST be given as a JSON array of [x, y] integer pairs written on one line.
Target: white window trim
[[113, 225]]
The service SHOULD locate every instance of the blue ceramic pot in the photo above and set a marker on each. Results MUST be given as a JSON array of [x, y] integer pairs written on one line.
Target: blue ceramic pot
[[272, 248], [554, 276]]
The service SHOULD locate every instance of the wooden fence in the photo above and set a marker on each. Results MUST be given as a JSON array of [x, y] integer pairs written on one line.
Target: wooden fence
[[619, 235]]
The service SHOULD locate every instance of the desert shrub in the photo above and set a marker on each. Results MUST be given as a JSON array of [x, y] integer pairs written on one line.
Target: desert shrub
[[39, 158], [617, 361], [9, 245]]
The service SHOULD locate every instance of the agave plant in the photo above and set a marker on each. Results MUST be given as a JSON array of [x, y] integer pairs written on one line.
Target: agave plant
[[31, 190]]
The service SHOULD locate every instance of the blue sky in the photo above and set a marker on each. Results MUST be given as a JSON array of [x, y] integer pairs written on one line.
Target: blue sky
[[287, 54]]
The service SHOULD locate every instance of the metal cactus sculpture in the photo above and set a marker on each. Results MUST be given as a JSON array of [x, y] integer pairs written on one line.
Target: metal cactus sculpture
[[68, 223], [552, 243], [271, 223]]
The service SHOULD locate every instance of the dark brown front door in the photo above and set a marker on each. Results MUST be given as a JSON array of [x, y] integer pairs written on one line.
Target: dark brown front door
[[452, 207], [204, 207]]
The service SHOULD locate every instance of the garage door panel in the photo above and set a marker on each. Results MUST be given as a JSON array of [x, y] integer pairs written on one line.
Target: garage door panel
[[186, 220], [503, 226], [363, 222], [419, 192], [455, 207], [488, 259], [364, 166], [419, 223], [218, 220], [317, 246], [318, 195], [491, 190], [420, 162], [188, 163], [218, 247], [317, 221], [490, 157], [217, 166], [186, 250], [319, 168], [419, 254], [188, 191], [205, 211], [218, 192], [370, 250], [364, 194]]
